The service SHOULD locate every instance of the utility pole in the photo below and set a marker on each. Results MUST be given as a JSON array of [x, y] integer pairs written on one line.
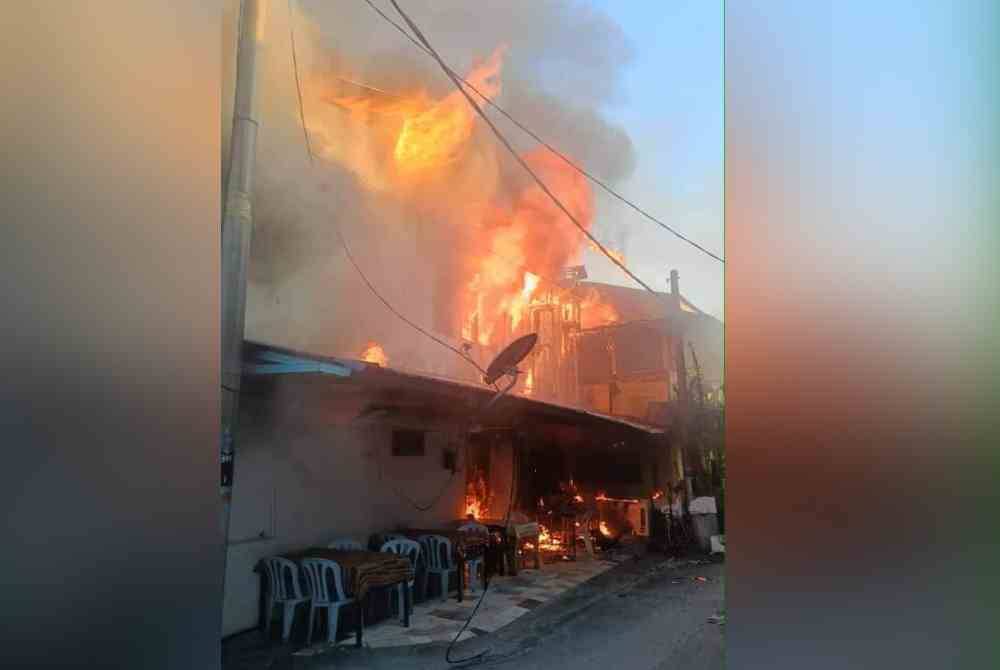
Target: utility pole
[[680, 364], [237, 224]]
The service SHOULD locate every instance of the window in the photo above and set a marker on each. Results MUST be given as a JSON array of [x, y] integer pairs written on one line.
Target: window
[[408, 443]]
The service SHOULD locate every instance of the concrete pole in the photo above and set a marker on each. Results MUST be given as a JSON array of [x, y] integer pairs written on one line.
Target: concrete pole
[[237, 223], [680, 364]]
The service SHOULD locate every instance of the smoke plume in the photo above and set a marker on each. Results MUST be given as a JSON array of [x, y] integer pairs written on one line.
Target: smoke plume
[[562, 68]]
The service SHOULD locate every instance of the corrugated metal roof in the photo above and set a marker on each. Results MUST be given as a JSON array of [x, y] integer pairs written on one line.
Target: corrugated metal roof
[[263, 359]]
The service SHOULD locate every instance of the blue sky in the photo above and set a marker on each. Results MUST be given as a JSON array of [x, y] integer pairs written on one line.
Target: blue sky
[[673, 111]]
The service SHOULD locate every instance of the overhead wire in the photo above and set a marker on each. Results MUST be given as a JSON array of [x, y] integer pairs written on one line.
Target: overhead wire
[[506, 143], [610, 191], [340, 236]]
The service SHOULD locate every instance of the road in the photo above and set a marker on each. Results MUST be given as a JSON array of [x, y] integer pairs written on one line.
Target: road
[[658, 623]]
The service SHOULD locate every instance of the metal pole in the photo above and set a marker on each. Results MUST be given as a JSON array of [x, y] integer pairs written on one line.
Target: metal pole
[[237, 223]]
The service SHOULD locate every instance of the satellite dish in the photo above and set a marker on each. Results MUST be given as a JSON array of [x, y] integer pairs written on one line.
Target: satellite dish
[[506, 364], [507, 360]]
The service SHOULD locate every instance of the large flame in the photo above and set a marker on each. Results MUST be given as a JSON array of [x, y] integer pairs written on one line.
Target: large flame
[[509, 239], [437, 136], [522, 242], [424, 135]]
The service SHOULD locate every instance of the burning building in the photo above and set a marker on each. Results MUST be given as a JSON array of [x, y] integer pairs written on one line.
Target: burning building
[[448, 227], [333, 447], [368, 431]]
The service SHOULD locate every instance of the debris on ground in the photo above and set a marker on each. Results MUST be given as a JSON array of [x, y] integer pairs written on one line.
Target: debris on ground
[[719, 619], [701, 579]]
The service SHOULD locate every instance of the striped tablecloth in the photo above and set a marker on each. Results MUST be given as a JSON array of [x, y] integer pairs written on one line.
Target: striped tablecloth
[[363, 570]]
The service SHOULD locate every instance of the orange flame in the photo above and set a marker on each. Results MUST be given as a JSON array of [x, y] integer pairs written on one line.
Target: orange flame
[[374, 353], [411, 137], [604, 498], [476, 496], [605, 531], [473, 508], [595, 312], [437, 136], [547, 541], [522, 242]]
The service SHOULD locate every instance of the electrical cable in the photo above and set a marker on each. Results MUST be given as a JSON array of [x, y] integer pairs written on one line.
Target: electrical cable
[[503, 140], [298, 85], [545, 144], [388, 305], [340, 237], [420, 508]]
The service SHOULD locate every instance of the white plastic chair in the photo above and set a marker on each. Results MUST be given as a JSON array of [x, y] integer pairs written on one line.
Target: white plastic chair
[[437, 550], [326, 585], [410, 549], [475, 564], [284, 589], [345, 544]]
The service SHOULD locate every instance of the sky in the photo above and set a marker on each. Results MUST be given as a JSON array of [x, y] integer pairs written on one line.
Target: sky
[[672, 108]]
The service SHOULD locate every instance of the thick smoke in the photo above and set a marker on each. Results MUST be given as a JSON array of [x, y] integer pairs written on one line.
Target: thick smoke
[[563, 66]]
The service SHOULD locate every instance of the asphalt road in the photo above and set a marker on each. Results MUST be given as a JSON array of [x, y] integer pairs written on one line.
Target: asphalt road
[[658, 623]]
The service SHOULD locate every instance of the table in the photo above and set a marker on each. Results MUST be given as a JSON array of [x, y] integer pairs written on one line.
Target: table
[[464, 545], [363, 571]]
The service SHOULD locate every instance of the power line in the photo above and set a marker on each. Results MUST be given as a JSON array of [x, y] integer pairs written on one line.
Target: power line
[[340, 237], [298, 85], [545, 144], [388, 305], [503, 140]]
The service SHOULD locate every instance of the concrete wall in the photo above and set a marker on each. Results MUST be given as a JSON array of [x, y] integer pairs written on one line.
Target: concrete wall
[[305, 474]]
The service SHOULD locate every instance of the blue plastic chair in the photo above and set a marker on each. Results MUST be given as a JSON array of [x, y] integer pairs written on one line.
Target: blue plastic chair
[[410, 549], [326, 585], [284, 588], [440, 561]]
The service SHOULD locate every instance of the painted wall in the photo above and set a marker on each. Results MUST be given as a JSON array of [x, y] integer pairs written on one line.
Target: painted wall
[[306, 474]]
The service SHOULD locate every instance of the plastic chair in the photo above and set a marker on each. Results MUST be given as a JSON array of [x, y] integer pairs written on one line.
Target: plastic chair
[[437, 550], [326, 585], [410, 549], [475, 564], [284, 588], [345, 544]]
